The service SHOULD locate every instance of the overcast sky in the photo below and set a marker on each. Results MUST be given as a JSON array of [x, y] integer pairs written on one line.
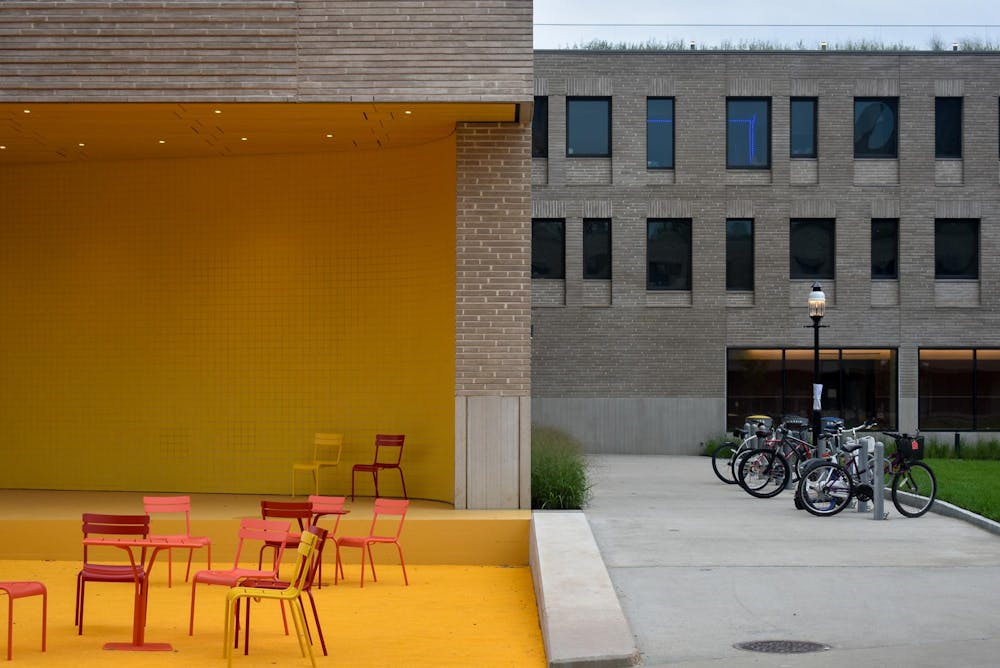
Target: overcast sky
[[912, 22]]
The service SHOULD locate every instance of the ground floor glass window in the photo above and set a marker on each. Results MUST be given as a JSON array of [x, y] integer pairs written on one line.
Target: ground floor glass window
[[857, 384], [959, 389]]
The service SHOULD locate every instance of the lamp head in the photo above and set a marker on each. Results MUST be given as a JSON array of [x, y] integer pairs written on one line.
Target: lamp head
[[817, 302]]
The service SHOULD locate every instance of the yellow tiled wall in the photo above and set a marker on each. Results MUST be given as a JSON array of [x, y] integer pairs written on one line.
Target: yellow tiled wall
[[187, 325]]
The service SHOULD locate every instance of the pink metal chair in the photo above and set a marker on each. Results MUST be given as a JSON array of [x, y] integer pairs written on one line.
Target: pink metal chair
[[388, 453], [321, 507], [378, 533], [174, 505], [24, 590], [251, 530]]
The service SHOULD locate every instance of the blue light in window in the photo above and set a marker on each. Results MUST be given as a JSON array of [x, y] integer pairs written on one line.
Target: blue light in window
[[752, 126]]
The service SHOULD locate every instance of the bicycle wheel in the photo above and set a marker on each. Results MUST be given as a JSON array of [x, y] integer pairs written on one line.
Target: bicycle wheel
[[825, 489], [722, 462], [914, 489], [763, 473]]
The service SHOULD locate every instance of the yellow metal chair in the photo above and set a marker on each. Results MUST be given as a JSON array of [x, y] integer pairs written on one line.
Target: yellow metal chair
[[292, 594], [326, 453]]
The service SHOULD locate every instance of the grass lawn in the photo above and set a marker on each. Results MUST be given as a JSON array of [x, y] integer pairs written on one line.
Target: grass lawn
[[969, 484]]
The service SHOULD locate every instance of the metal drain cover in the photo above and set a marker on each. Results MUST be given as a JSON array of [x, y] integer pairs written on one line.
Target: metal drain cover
[[782, 646]]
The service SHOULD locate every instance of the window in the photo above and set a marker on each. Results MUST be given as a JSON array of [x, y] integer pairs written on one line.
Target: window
[[659, 133], [876, 127], [540, 128], [739, 254], [548, 248], [811, 245], [802, 123], [588, 127], [956, 248], [857, 384], [748, 133], [596, 248], [885, 248], [668, 254], [947, 127], [959, 389]]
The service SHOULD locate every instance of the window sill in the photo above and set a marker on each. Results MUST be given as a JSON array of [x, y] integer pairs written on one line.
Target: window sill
[[668, 298]]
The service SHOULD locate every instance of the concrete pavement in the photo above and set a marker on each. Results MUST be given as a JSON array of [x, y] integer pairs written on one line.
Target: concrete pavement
[[699, 566]]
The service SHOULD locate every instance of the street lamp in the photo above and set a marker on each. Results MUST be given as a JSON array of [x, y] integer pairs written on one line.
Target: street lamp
[[817, 308]]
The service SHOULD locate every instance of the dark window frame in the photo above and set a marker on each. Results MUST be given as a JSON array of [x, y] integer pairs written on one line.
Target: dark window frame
[[889, 101], [943, 130], [885, 276], [785, 395], [606, 274], [687, 280], [738, 98], [731, 284], [832, 260], [540, 131], [673, 131], [976, 250], [562, 273], [815, 128], [973, 399], [589, 98]]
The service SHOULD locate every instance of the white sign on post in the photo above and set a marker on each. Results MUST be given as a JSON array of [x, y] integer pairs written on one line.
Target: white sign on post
[[817, 393]]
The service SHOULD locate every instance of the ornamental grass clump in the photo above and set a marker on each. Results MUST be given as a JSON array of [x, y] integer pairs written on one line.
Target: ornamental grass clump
[[558, 471]]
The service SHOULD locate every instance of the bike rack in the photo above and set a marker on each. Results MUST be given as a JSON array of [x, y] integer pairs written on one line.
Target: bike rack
[[873, 478]]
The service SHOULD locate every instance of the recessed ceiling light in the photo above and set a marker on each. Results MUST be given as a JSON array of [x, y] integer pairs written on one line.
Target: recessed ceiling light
[[81, 144], [329, 136], [218, 111], [27, 111], [407, 112], [3, 148], [162, 141], [243, 138]]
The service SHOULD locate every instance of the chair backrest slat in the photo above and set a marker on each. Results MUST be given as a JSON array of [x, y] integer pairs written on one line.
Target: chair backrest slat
[[389, 508], [392, 445], [115, 525], [251, 528], [301, 511], [169, 505]]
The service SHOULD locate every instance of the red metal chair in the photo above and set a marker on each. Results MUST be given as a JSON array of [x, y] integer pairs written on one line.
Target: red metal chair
[[251, 530], [173, 505], [388, 453], [300, 511], [309, 576], [378, 533], [26, 589], [95, 524]]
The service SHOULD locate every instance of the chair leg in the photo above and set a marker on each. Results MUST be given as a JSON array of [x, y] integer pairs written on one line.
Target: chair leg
[[316, 481], [371, 560], [10, 625], [194, 586], [80, 600], [319, 629], [187, 573], [170, 568], [402, 563], [403, 481], [45, 615], [375, 476]]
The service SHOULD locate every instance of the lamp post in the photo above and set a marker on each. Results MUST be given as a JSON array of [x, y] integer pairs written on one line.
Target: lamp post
[[817, 308]]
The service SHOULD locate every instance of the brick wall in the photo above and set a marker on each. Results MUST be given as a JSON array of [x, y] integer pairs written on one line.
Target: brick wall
[[640, 347], [276, 50]]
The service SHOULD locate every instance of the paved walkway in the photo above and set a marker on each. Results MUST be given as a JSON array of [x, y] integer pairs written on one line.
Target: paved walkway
[[700, 566]]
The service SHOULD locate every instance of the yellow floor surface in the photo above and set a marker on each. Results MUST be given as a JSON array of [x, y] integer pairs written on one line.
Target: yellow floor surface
[[447, 616]]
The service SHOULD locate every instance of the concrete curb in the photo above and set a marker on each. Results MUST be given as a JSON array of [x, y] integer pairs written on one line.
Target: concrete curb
[[582, 621], [949, 510]]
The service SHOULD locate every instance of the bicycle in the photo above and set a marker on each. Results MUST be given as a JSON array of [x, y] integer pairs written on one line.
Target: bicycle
[[764, 472], [726, 457], [829, 486]]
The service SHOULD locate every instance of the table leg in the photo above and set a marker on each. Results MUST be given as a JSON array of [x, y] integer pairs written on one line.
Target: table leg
[[139, 643]]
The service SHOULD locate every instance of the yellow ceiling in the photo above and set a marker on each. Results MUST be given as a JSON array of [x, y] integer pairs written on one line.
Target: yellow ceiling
[[71, 132]]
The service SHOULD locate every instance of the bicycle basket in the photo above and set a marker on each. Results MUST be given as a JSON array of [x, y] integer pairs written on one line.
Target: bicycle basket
[[911, 447]]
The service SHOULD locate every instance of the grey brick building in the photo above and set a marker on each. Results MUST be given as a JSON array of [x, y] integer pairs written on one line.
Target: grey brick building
[[684, 203]]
